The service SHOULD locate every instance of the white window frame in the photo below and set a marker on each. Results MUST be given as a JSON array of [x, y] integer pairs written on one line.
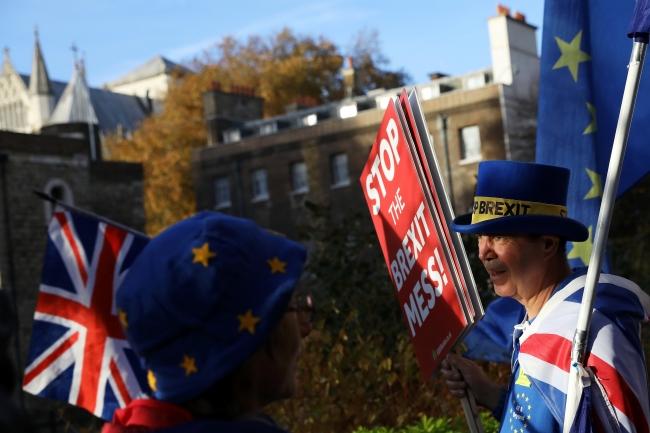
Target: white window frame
[[476, 154], [336, 163], [259, 185], [299, 178], [310, 119], [219, 187], [348, 111]]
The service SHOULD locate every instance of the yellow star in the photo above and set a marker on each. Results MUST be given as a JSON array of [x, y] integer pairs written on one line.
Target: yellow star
[[516, 430], [597, 188], [277, 266], [582, 250], [517, 395], [189, 365], [526, 398], [152, 381], [571, 56], [203, 254], [523, 395], [529, 406], [122, 316], [248, 321], [525, 425], [591, 128], [528, 417]]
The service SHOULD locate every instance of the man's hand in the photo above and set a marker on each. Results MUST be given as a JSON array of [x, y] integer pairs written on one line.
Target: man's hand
[[470, 375]]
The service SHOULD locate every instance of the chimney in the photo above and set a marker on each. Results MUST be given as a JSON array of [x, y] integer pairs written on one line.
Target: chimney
[[350, 79], [300, 103], [503, 10], [514, 49], [224, 110], [436, 75]]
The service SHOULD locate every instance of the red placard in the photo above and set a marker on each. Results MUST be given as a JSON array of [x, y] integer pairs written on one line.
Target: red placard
[[408, 115], [411, 245]]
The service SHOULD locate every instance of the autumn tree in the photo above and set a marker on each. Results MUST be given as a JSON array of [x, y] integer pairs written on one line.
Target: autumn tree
[[280, 68], [371, 63]]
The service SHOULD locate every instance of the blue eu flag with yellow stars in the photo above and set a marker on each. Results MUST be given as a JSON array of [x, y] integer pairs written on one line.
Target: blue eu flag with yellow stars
[[585, 51]]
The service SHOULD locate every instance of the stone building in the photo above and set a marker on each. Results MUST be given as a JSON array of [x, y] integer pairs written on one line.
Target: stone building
[[150, 80], [63, 168], [30, 103], [265, 169]]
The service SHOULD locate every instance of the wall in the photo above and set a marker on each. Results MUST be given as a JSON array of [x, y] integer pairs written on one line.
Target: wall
[[157, 86], [354, 136], [111, 189]]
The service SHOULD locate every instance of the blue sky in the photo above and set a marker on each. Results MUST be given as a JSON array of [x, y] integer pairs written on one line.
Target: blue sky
[[118, 35]]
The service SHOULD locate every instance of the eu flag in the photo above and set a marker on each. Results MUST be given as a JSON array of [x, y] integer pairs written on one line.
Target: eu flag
[[585, 51]]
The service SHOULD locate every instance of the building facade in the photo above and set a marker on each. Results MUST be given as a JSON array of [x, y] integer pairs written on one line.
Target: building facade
[[63, 168], [265, 169], [33, 103], [150, 80]]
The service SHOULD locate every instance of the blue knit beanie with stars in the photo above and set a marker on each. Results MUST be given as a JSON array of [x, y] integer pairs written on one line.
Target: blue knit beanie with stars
[[202, 297]]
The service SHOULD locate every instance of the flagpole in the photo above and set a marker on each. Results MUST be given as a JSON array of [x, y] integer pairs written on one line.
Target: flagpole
[[580, 339], [80, 211]]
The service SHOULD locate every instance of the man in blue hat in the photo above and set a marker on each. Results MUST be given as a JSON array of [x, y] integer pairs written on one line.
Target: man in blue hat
[[520, 219], [210, 309]]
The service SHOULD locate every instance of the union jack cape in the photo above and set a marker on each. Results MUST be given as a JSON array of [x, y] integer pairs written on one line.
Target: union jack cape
[[78, 352], [619, 393]]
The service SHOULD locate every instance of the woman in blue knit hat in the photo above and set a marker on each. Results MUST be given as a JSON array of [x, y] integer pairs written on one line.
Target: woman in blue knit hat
[[210, 309], [522, 226]]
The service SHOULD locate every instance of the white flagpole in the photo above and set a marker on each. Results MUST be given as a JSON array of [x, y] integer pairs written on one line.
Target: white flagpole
[[602, 229]]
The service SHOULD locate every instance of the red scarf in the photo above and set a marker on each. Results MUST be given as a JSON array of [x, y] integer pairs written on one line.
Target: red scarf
[[146, 415]]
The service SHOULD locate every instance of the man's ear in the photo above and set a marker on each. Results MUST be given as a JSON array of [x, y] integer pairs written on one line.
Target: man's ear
[[550, 244]]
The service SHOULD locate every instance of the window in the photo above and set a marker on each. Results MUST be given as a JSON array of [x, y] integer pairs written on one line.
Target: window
[[222, 193], [383, 102], [339, 163], [260, 187], [231, 136], [310, 120], [475, 81], [268, 128], [348, 111], [470, 144], [299, 177]]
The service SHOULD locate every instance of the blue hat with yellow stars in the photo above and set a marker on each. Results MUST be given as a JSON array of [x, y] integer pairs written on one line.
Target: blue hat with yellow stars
[[202, 297]]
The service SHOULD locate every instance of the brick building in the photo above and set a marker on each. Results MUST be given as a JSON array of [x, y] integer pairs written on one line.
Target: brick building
[[265, 169], [63, 168]]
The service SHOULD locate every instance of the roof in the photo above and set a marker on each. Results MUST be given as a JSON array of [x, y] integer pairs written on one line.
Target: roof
[[156, 66], [75, 105], [111, 108], [41, 84], [350, 107]]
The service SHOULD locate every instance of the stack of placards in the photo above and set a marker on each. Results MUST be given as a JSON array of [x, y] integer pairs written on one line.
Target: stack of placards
[[410, 210]]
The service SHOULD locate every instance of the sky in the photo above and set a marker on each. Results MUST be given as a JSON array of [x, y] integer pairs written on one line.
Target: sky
[[419, 36]]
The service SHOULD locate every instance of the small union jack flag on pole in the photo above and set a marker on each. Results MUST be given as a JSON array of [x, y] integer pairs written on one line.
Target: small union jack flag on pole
[[78, 352]]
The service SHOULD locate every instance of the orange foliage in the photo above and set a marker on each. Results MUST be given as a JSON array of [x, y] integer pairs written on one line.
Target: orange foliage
[[281, 69], [348, 381]]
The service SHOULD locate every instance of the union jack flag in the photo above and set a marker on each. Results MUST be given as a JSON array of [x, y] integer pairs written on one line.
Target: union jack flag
[[78, 352], [619, 396]]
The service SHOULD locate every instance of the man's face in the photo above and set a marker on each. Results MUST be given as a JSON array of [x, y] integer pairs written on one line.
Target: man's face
[[514, 263]]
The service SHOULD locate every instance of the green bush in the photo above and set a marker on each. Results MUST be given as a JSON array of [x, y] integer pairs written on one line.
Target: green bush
[[358, 368], [438, 425]]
